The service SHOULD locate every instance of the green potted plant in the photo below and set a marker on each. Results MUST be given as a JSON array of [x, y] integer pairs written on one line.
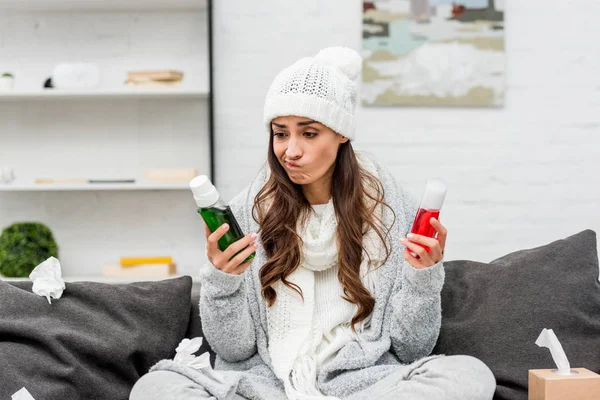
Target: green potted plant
[[23, 246], [7, 82]]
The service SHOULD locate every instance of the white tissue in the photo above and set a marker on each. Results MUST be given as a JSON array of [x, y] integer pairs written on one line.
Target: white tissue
[[47, 279], [548, 339], [22, 394], [185, 356], [186, 349]]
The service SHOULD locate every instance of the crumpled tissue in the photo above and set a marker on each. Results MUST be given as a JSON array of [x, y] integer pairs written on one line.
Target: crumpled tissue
[[22, 394], [47, 279], [221, 385], [185, 356], [548, 339]]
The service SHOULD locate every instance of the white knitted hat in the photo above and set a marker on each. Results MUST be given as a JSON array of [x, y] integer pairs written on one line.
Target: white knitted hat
[[322, 88]]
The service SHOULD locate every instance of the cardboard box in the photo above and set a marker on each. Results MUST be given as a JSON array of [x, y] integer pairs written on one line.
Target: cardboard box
[[547, 385]]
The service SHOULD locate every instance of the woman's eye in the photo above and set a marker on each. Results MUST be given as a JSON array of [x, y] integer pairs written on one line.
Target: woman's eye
[[279, 135], [310, 135]]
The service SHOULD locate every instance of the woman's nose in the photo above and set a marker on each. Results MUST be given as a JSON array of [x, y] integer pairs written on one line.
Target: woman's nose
[[293, 150]]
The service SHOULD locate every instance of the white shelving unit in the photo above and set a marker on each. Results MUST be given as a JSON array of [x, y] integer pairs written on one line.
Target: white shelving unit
[[101, 279], [49, 187], [67, 5], [112, 132], [123, 93]]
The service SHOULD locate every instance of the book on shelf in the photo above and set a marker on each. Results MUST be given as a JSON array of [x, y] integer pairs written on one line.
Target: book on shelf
[[152, 84], [144, 260], [156, 75], [152, 78], [140, 271]]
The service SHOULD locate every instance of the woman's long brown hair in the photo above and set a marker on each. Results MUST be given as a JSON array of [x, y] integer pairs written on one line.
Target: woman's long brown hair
[[280, 204]]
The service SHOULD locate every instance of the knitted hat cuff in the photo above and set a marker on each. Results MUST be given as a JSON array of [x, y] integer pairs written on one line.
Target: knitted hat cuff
[[309, 106]]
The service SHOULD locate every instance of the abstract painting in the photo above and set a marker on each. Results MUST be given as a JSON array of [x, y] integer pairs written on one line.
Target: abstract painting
[[433, 53]]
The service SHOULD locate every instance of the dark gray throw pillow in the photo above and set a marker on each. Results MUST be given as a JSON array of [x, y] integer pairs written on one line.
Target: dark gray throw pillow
[[94, 342], [496, 311]]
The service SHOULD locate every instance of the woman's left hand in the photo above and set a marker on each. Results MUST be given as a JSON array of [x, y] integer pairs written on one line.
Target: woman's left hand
[[414, 243]]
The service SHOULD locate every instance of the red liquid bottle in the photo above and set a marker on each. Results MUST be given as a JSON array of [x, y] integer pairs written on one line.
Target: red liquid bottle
[[431, 204]]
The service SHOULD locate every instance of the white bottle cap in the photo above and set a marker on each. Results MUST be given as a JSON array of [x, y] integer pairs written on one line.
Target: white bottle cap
[[204, 192], [435, 193]]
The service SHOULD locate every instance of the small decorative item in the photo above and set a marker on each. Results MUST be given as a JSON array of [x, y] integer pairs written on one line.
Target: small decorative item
[[48, 83], [73, 76], [7, 82], [23, 246], [7, 175]]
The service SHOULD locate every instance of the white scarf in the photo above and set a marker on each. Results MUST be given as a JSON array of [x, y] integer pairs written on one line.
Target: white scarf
[[294, 335]]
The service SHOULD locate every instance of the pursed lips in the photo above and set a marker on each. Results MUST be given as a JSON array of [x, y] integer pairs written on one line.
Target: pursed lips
[[291, 164]]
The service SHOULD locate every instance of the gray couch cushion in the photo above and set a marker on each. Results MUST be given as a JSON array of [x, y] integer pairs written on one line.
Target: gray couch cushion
[[94, 342], [496, 311]]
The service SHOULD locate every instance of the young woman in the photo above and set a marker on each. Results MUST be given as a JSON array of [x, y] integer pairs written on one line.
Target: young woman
[[334, 305]]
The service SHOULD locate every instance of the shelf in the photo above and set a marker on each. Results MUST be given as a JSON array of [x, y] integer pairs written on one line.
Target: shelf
[[68, 5], [141, 93], [101, 279], [50, 187]]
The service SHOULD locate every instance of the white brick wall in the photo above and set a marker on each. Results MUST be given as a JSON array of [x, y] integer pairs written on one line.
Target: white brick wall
[[519, 176]]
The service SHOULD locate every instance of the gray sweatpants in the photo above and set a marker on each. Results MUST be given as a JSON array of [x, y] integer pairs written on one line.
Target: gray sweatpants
[[443, 378]]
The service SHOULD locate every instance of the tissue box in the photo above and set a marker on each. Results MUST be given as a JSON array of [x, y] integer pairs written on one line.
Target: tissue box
[[547, 385]]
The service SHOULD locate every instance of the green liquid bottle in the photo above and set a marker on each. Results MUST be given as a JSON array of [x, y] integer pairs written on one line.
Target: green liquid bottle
[[215, 212]]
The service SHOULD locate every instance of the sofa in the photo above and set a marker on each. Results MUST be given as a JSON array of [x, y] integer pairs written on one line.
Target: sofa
[[98, 339]]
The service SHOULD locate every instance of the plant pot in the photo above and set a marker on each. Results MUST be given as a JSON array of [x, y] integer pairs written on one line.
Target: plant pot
[[7, 83]]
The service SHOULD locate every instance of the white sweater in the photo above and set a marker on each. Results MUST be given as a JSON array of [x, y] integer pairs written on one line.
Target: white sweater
[[403, 327], [331, 310]]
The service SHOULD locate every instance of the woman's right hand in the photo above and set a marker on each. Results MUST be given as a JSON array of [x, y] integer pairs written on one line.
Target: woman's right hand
[[222, 259]]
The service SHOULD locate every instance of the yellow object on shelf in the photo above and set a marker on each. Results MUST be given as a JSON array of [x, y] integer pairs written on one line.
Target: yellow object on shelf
[[139, 271], [154, 78], [155, 75], [134, 261]]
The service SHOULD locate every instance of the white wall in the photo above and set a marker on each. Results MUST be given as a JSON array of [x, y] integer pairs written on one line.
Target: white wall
[[519, 176]]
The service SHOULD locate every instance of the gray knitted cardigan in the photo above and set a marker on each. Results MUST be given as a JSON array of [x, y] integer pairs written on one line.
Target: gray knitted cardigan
[[404, 327]]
